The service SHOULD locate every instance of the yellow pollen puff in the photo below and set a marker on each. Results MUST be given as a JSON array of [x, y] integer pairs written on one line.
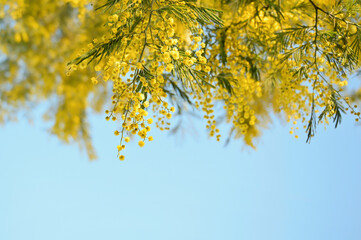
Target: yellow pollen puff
[[175, 54], [150, 121], [150, 138], [144, 113], [169, 67], [98, 68], [94, 80], [141, 143], [121, 157], [127, 139]]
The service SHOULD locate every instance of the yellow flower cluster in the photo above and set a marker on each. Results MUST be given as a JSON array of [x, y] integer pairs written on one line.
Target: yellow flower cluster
[[291, 65], [251, 64], [38, 38], [292, 58], [143, 59]]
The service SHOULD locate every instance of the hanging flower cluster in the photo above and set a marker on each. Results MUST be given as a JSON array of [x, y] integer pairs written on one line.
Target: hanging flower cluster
[[240, 60]]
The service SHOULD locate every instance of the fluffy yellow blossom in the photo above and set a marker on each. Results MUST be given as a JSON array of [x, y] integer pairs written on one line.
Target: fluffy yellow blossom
[[141, 143]]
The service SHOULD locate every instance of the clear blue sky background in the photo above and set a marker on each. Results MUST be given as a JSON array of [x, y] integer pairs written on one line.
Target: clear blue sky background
[[180, 188]]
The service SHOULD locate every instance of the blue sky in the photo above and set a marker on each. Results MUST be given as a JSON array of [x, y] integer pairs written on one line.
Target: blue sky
[[181, 187]]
